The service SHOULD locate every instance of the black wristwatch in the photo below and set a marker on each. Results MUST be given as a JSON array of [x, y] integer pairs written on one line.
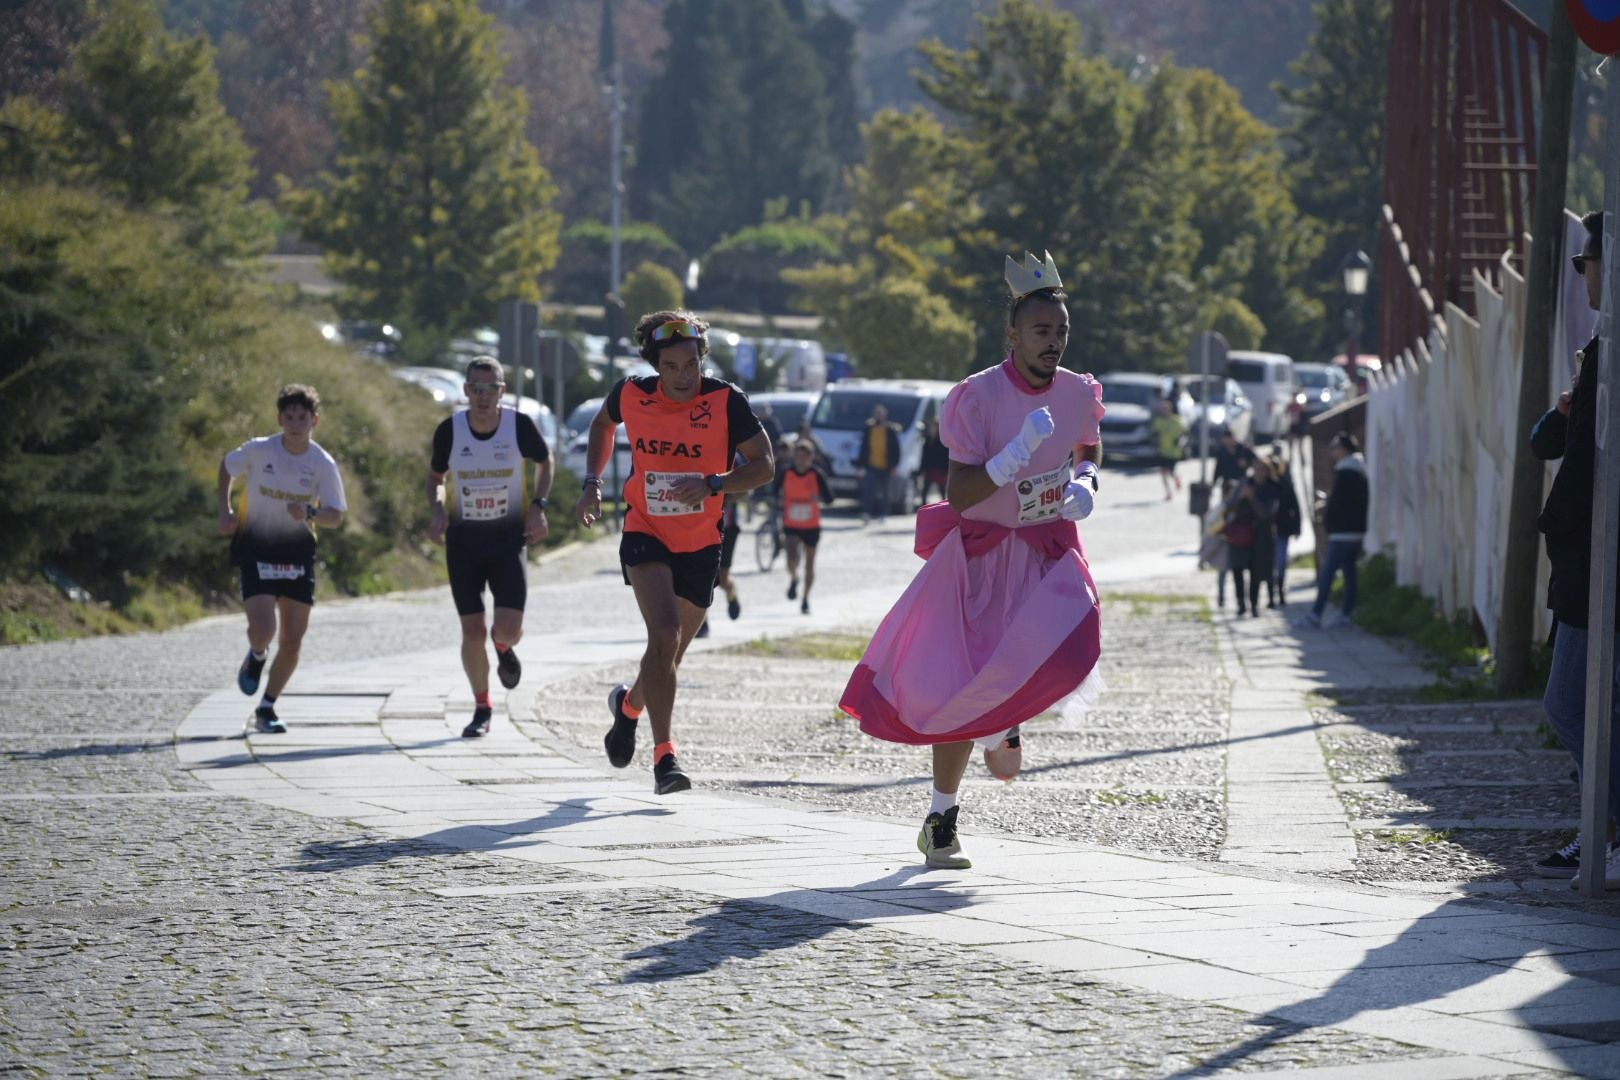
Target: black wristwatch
[[715, 482], [538, 500]]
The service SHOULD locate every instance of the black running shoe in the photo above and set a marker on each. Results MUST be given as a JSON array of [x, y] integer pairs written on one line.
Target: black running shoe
[[507, 667], [804, 606], [703, 631], [733, 607], [668, 778], [247, 676], [620, 741], [478, 726], [266, 722], [793, 589]]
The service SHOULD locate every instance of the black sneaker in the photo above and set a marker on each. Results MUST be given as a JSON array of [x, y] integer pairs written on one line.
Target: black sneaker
[[703, 631], [247, 676], [804, 606], [668, 778], [733, 607], [620, 741], [939, 843], [266, 722], [1563, 863], [478, 726], [793, 589], [507, 667]]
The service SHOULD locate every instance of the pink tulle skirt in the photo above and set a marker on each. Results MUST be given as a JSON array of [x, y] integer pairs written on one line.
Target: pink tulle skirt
[[998, 626]]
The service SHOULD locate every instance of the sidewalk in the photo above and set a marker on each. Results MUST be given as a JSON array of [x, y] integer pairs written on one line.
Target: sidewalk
[[1455, 986]]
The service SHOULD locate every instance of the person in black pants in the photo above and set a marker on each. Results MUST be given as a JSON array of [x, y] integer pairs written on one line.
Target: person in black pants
[[1280, 488], [1345, 521]]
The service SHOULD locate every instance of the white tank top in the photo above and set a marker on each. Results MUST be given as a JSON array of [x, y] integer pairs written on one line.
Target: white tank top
[[486, 475]]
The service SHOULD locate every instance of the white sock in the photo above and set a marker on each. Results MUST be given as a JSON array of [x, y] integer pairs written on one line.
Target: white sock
[[942, 802], [260, 654]]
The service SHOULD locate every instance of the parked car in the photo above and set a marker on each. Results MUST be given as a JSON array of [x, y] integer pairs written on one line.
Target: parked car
[[1228, 409], [581, 416], [1127, 427], [573, 458], [839, 421], [787, 406], [1267, 380], [1318, 388], [445, 384]]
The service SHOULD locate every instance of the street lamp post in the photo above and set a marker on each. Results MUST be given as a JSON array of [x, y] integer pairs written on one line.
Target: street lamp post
[[1357, 269]]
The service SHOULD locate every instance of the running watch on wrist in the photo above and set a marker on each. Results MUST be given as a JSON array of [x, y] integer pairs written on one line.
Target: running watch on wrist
[[538, 500], [592, 481], [716, 482]]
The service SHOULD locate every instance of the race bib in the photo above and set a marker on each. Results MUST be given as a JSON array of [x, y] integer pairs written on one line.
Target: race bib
[[1039, 496], [800, 514], [661, 501], [276, 571], [484, 502]]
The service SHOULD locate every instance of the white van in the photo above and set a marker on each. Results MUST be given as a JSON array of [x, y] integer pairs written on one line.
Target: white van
[[801, 364], [1267, 380], [839, 421]]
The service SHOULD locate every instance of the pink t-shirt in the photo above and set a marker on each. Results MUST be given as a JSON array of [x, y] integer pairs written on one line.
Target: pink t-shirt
[[985, 412]]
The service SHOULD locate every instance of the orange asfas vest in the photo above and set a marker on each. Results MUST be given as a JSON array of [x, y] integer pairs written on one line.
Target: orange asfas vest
[[670, 440], [801, 499]]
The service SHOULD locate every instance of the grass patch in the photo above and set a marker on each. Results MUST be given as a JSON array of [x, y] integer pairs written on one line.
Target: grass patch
[[1129, 798], [1463, 666], [1147, 603], [818, 646], [1416, 838]]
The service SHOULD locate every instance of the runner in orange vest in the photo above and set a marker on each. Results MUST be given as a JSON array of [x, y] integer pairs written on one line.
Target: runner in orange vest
[[801, 489], [693, 441]]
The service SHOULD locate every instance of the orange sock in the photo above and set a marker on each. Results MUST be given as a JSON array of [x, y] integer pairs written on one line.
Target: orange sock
[[628, 709], [663, 748]]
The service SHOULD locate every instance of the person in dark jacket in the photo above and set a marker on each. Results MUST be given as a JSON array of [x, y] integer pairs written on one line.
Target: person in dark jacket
[[1233, 459], [1567, 431], [1346, 522], [1289, 522], [1249, 535], [936, 464], [880, 454]]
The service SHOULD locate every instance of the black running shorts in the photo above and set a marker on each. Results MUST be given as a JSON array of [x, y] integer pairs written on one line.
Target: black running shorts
[[501, 566], [807, 537], [694, 571], [728, 544], [293, 580]]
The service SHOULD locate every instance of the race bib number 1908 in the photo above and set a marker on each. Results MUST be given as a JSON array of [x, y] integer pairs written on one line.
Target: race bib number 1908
[[1040, 496]]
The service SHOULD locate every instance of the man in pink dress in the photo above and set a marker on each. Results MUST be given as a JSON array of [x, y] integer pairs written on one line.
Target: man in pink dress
[[1002, 622]]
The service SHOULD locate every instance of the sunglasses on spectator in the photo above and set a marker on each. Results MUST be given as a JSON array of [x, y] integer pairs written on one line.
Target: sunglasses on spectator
[[1580, 261], [673, 330]]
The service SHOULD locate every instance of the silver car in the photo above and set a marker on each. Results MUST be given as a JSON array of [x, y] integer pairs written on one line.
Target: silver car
[[1228, 409]]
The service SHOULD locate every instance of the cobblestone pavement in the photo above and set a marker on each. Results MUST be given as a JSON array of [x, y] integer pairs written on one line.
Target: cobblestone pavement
[[155, 924]]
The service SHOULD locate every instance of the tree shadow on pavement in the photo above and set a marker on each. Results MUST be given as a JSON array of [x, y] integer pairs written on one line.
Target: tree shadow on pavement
[[327, 858], [1439, 955], [745, 929], [121, 749]]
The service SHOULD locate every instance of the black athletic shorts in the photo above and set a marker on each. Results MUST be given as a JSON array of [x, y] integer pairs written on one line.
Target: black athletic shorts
[[807, 537], [694, 571], [293, 580], [503, 566], [728, 544]]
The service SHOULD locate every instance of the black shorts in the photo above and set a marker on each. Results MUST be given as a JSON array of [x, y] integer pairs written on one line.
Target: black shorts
[[504, 567], [694, 571], [293, 580], [807, 537], [728, 544]]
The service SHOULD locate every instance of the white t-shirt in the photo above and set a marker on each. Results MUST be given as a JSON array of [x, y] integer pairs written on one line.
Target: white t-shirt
[[274, 479]]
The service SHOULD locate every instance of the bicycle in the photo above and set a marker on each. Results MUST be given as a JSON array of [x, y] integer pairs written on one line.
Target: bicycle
[[768, 540]]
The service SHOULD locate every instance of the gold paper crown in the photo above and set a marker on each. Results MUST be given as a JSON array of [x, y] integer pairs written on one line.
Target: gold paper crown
[[1033, 275]]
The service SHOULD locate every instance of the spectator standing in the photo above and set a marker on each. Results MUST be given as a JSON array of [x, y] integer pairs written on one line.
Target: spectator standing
[[1290, 520], [1233, 459], [1567, 432], [1249, 535], [1346, 522], [936, 463], [880, 453]]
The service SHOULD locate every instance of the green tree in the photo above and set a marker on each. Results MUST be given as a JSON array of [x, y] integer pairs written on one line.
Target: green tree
[[901, 330], [142, 120], [650, 287], [101, 312], [1335, 133], [438, 207], [723, 135]]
